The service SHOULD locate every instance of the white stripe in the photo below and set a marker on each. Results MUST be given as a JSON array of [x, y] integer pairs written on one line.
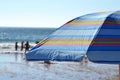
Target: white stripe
[[75, 32]]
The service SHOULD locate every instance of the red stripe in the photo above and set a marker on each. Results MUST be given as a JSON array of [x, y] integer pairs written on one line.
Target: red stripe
[[106, 25]]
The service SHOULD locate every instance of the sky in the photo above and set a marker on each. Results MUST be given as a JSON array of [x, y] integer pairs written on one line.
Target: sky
[[49, 13]]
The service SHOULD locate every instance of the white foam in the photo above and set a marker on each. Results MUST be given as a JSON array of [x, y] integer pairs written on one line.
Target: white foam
[[10, 47]]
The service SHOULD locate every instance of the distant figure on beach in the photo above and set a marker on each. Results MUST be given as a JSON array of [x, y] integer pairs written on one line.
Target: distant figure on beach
[[16, 46], [36, 42], [27, 46], [22, 45], [47, 62]]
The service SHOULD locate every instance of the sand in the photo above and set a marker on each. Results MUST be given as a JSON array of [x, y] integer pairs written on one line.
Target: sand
[[13, 66], [17, 68]]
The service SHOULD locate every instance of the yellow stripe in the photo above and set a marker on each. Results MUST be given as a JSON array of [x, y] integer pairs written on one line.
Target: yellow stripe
[[85, 22], [107, 12], [104, 12], [68, 42]]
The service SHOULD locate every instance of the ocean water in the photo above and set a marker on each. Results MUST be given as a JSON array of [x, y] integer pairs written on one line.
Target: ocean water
[[13, 66], [8, 37], [11, 35]]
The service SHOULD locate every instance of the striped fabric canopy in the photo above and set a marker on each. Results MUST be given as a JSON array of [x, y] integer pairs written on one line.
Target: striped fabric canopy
[[105, 47], [71, 41]]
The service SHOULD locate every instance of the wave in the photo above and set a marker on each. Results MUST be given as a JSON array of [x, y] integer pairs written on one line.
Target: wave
[[24, 34], [10, 47]]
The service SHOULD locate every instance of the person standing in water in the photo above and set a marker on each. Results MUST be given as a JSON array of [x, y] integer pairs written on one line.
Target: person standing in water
[[22, 45], [27, 46], [16, 46]]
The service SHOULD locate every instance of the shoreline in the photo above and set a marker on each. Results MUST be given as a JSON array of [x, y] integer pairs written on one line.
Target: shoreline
[[12, 52], [13, 63], [10, 48], [16, 66]]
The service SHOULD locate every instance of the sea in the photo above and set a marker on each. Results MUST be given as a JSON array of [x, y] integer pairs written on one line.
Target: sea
[[13, 65], [10, 35], [14, 34]]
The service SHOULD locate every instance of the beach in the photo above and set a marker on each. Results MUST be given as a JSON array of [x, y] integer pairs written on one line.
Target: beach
[[23, 70], [15, 67], [59, 39]]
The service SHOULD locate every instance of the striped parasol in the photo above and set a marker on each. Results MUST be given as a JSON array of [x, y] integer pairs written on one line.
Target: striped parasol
[[71, 41], [105, 47]]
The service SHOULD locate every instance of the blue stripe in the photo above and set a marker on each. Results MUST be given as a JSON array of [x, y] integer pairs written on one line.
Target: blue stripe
[[106, 62], [94, 17], [109, 32], [60, 59], [104, 48], [108, 36], [70, 48], [110, 27], [104, 56], [115, 15], [71, 37], [81, 27]]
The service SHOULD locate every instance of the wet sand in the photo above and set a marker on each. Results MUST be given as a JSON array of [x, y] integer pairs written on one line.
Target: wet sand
[[15, 67]]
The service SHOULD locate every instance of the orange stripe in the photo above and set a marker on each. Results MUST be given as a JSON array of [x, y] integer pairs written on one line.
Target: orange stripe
[[66, 44], [67, 40], [91, 25], [82, 25]]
